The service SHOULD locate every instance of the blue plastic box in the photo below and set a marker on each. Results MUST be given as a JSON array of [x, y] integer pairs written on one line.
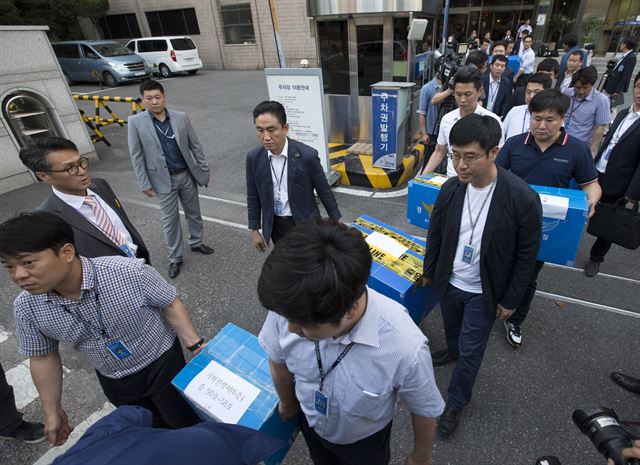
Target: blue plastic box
[[398, 279], [423, 191], [239, 351], [561, 229]]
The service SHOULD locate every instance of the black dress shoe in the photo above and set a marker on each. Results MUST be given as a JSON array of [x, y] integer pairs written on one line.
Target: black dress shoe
[[591, 269], [627, 382], [448, 421], [442, 357], [205, 249], [174, 269]]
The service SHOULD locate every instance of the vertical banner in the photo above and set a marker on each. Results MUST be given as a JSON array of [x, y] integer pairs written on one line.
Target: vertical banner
[[384, 104], [300, 91]]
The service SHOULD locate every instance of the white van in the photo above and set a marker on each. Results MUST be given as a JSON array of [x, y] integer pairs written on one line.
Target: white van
[[168, 55]]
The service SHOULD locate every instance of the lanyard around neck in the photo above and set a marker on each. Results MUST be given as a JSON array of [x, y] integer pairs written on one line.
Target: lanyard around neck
[[342, 355], [484, 202], [278, 180], [100, 328]]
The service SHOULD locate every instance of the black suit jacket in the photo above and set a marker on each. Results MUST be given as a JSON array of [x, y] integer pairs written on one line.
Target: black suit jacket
[[304, 174], [90, 241], [510, 240], [622, 176], [619, 82], [504, 92]]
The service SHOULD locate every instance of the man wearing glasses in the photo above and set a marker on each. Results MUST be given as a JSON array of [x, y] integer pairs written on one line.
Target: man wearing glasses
[[483, 239], [100, 225], [169, 163]]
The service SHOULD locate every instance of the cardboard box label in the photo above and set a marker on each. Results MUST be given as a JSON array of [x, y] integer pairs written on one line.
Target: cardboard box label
[[435, 180], [554, 206], [386, 243], [221, 392]]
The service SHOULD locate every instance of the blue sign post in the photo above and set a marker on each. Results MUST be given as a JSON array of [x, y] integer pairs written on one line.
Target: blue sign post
[[384, 108]]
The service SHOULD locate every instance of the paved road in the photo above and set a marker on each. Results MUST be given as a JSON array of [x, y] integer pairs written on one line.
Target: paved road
[[577, 332]]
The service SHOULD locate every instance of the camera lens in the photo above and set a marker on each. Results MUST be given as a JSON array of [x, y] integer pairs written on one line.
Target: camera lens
[[603, 428]]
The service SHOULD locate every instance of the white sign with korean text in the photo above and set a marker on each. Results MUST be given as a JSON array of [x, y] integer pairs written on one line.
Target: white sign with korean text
[[302, 96], [554, 206], [221, 392]]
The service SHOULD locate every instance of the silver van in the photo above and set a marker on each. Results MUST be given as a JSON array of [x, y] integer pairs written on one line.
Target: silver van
[[168, 55], [99, 60]]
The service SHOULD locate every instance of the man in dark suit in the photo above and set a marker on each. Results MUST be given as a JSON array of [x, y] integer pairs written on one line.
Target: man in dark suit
[[281, 176], [618, 84], [497, 88], [100, 225], [618, 165], [483, 239]]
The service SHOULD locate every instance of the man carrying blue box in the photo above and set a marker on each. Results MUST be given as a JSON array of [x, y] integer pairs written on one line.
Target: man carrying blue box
[[483, 239], [547, 156], [351, 350]]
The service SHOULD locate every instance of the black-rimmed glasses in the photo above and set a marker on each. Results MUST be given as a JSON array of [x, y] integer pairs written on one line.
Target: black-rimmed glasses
[[72, 169]]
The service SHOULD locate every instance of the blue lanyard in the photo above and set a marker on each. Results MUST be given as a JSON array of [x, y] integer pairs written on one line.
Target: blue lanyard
[[100, 328]]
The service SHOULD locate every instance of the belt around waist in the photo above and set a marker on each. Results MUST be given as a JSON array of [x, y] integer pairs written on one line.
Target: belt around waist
[[178, 171]]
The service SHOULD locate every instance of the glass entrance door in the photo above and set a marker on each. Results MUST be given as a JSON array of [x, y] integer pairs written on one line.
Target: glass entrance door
[[370, 45]]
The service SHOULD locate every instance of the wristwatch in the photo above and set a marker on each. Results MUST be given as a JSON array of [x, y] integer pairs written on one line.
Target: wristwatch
[[196, 346]]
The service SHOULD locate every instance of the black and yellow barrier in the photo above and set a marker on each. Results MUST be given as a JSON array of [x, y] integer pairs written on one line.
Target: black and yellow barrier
[[358, 169], [97, 121]]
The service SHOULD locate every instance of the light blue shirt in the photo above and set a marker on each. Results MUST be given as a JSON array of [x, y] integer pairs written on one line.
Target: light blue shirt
[[426, 108], [390, 357], [584, 115]]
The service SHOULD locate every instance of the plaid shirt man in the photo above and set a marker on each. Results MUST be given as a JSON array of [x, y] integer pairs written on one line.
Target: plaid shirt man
[[122, 296]]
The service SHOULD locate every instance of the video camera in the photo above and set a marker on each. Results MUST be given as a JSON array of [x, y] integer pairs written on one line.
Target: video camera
[[606, 432], [453, 56]]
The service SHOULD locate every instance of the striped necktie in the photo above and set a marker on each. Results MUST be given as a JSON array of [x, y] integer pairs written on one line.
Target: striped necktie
[[103, 222]]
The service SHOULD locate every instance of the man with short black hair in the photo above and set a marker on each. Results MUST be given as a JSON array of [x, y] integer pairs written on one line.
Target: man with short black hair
[[500, 48], [548, 66], [484, 235], [517, 120], [497, 88], [574, 63], [547, 156], [119, 312], [485, 45], [467, 90], [169, 163], [527, 61], [478, 59], [618, 165], [622, 72], [570, 44], [351, 350], [589, 112], [100, 225], [281, 176]]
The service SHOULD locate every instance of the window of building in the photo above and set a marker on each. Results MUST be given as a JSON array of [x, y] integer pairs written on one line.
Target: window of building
[[173, 22], [237, 24], [119, 26]]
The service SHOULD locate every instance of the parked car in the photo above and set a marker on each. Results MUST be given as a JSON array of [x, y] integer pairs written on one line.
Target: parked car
[[100, 60], [168, 55]]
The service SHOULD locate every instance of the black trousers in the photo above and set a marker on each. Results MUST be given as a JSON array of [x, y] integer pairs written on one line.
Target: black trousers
[[281, 226], [523, 307], [151, 388], [10, 418], [372, 450]]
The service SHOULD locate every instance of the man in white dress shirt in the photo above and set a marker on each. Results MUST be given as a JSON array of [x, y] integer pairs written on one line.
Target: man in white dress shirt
[[467, 90], [518, 119], [351, 350], [100, 225]]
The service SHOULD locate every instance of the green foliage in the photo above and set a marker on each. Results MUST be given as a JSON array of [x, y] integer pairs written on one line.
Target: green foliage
[[590, 25], [60, 15]]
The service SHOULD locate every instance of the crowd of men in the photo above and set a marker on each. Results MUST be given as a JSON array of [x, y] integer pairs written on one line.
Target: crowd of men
[[340, 353]]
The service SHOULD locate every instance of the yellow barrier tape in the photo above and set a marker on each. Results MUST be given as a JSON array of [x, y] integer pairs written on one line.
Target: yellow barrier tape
[[408, 243], [430, 181], [406, 266]]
